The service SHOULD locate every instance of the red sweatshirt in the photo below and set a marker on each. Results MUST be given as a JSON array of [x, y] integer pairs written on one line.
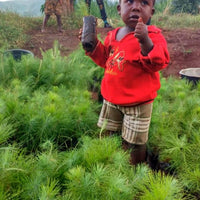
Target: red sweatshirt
[[130, 78]]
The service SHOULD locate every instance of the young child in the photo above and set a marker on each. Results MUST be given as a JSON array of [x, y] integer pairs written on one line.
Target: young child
[[132, 57]]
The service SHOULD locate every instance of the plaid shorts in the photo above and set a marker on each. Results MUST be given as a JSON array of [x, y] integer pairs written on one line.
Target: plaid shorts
[[133, 121]]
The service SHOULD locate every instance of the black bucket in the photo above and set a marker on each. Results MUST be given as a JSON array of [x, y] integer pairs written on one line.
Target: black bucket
[[192, 75], [18, 53]]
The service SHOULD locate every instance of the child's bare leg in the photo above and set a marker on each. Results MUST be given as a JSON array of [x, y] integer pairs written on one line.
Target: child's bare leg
[[138, 153], [108, 133]]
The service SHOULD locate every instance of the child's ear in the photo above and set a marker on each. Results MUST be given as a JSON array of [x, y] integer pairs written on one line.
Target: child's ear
[[152, 11], [119, 9]]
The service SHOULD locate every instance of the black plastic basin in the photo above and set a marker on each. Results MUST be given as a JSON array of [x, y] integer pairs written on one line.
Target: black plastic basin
[[18, 53]]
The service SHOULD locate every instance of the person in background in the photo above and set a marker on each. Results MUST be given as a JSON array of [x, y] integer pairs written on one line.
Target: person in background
[[52, 7], [132, 57], [102, 11]]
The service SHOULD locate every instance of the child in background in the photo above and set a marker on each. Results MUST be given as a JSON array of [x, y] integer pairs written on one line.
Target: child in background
[[132, 57]]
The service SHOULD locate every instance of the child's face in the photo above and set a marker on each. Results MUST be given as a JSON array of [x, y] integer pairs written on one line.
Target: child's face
[[131, 10]]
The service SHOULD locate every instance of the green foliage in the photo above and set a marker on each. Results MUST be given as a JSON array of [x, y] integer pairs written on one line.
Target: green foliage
[[174, 131], [14, 170], [47, 99], [63, 114], [81, 8], [42, 8], [162, 6], [161, 187], [45, 107], [51, 174], [111, 11], [101, 180], [6, 131], [99, 155], [185, 6], [178, 21], [75, 19], [13, 30], [53, 70], [49, 190]]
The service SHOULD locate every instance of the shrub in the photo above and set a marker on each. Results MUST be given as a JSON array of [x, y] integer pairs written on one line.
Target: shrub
[[186, 6]]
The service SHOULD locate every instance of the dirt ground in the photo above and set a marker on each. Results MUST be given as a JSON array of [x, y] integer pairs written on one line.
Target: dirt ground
[[183, 45]]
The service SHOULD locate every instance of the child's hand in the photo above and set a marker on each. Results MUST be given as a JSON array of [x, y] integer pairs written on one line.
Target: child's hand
[[141, 31], [89, 47], [80, 34]]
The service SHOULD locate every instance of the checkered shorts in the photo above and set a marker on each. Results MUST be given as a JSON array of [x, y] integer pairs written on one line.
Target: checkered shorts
[[133, 121]]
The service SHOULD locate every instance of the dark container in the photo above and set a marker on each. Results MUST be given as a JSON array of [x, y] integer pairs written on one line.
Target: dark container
[[88, 38], [18, 53], [192, 75]]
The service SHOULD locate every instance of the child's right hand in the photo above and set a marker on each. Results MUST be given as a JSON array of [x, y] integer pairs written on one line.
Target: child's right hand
[[80, 34], [91, 46]]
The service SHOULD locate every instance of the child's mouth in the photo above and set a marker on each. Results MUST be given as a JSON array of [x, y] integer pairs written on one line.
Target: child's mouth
[[134, 17]]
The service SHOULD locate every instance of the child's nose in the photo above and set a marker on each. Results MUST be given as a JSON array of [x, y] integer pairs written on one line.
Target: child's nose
[[136, 5]]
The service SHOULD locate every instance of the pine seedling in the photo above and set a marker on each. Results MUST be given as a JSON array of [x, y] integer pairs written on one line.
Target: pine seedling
[[79, 183], [104, 150], [138, 176], [118, 187], [14, 170], [160, 187], [3, 194], [6, 131], [120, 160], [174, 149], [49, 191], [31, 188], [190, 177]]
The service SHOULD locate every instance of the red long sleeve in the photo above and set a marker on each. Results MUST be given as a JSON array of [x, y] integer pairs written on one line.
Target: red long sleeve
[[129, 77]]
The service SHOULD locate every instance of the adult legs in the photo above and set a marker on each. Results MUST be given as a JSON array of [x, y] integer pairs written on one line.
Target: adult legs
[[103, 13], [59, 22], [46, 18], [88, 3], [102, 9]]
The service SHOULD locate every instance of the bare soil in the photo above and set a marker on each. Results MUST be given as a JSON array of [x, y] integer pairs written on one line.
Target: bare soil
[[183, 45]]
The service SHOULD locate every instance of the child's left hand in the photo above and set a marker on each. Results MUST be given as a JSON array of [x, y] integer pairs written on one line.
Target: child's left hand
[[141, 31]]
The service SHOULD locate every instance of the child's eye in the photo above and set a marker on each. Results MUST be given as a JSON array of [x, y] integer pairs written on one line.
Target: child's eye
[[145, 2], [130, 1]]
